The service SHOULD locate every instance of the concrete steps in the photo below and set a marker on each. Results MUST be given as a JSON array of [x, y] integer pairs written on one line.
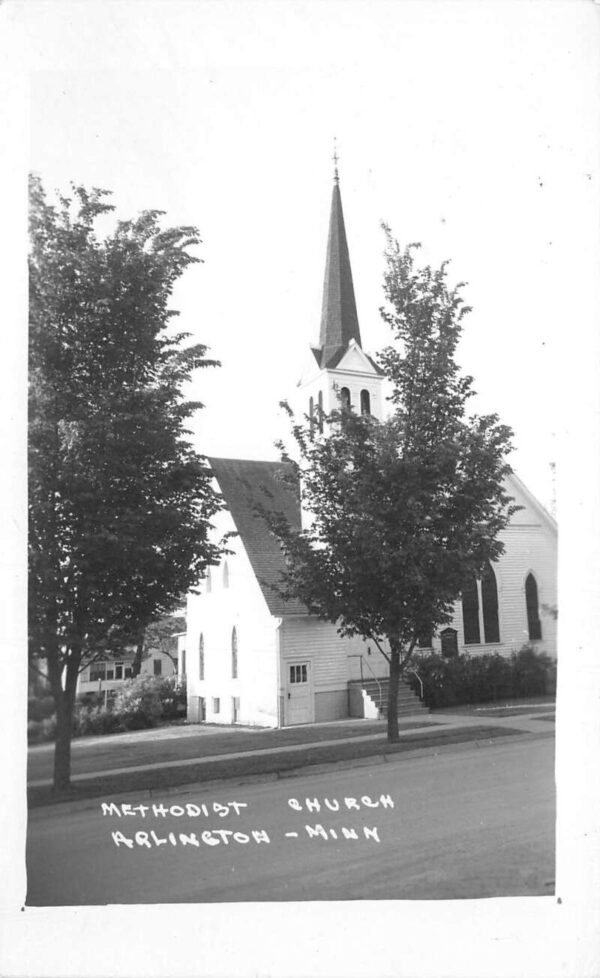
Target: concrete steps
[[409, 703]]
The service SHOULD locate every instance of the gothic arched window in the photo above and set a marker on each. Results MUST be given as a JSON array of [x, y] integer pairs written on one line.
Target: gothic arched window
[[470, 606], [365, 402], [345, 399], [234, 654], [533, 612], [201, 658], [489, 601]]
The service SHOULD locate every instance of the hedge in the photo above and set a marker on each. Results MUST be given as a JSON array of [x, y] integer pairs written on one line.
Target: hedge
[[469, 679]]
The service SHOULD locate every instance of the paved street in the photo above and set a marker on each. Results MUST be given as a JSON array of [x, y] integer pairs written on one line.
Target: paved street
[[470, 822]]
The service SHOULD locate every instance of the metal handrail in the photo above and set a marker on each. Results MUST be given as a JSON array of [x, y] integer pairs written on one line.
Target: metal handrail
[[362, 659], [413, 670]]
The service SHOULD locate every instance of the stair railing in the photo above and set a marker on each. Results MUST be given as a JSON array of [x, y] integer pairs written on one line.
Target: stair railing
[[414, 671], [362, 659]]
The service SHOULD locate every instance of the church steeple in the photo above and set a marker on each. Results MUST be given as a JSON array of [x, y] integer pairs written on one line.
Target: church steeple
[[338, 371], [339, 319]]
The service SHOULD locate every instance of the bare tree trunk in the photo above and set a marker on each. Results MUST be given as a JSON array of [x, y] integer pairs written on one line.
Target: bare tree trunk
[[136, 666], [62, 747], [392, 713], [64, 700]]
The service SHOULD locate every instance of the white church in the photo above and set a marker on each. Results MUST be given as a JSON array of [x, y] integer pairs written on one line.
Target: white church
[[250, 657]]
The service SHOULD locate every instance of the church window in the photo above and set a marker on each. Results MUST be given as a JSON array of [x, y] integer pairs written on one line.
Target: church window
[[365, 402], [533, 612], [470, 606], [234, 654], [345, 399], [489, 601], [201, 657], [320, 410], [225, 574], [480, 607]]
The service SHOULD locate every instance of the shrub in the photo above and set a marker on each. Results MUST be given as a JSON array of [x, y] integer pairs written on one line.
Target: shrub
[[172, 693], [138, 703], [40, 707], [41, 731], [92, 719], [481, 678], [532, 672]]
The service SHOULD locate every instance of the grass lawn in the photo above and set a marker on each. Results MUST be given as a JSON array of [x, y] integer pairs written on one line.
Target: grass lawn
[[159, 779]]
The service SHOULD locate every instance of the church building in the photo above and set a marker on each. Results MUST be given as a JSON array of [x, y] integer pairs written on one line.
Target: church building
[[252, 658]]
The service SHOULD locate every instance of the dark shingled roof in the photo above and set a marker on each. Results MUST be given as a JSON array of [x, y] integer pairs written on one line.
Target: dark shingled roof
[[339, 318], [245, 485]]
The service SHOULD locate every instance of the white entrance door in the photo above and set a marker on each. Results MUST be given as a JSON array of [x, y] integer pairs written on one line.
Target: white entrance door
[[299, 693]]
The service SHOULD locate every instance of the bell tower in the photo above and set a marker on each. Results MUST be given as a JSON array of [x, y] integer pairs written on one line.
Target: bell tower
[[337, 372]]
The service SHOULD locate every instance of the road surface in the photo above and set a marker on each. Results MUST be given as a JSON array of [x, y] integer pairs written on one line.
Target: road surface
[[469, 823]]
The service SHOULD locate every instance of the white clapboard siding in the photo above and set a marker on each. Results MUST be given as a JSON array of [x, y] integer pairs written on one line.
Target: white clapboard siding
[[309, 638]]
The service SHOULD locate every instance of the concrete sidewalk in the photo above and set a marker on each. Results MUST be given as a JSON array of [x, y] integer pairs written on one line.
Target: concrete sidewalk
[[199, 748]]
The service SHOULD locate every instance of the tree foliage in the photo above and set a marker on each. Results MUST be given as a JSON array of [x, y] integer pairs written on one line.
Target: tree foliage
[[401, 511], [119, 502], [158, 636]]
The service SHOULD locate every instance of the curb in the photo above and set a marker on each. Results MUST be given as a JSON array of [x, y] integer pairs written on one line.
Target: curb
[[89, 804]]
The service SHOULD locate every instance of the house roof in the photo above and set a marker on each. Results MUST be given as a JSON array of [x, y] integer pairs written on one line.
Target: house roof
[[339, 318], [246, 486]]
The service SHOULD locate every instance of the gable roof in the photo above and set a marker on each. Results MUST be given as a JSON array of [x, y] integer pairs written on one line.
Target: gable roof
[[517, 485], [338, 356], [246, 485]]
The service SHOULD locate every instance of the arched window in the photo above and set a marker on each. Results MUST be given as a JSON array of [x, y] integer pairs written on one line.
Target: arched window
[[489, 601], [470, 605], [320, 410], [345, 399], [225, 574], [208, 581], [234, 654], [533, 612], [365, 402], [201, 658]]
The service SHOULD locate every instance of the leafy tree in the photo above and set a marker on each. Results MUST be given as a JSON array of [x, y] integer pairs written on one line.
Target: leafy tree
[[401, 511], [119, 503], [158, 636]]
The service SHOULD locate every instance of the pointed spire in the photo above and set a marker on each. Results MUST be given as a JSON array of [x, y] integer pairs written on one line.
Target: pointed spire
[[339, 318]]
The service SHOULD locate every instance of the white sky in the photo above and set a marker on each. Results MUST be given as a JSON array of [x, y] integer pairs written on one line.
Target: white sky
[[455, 127]]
